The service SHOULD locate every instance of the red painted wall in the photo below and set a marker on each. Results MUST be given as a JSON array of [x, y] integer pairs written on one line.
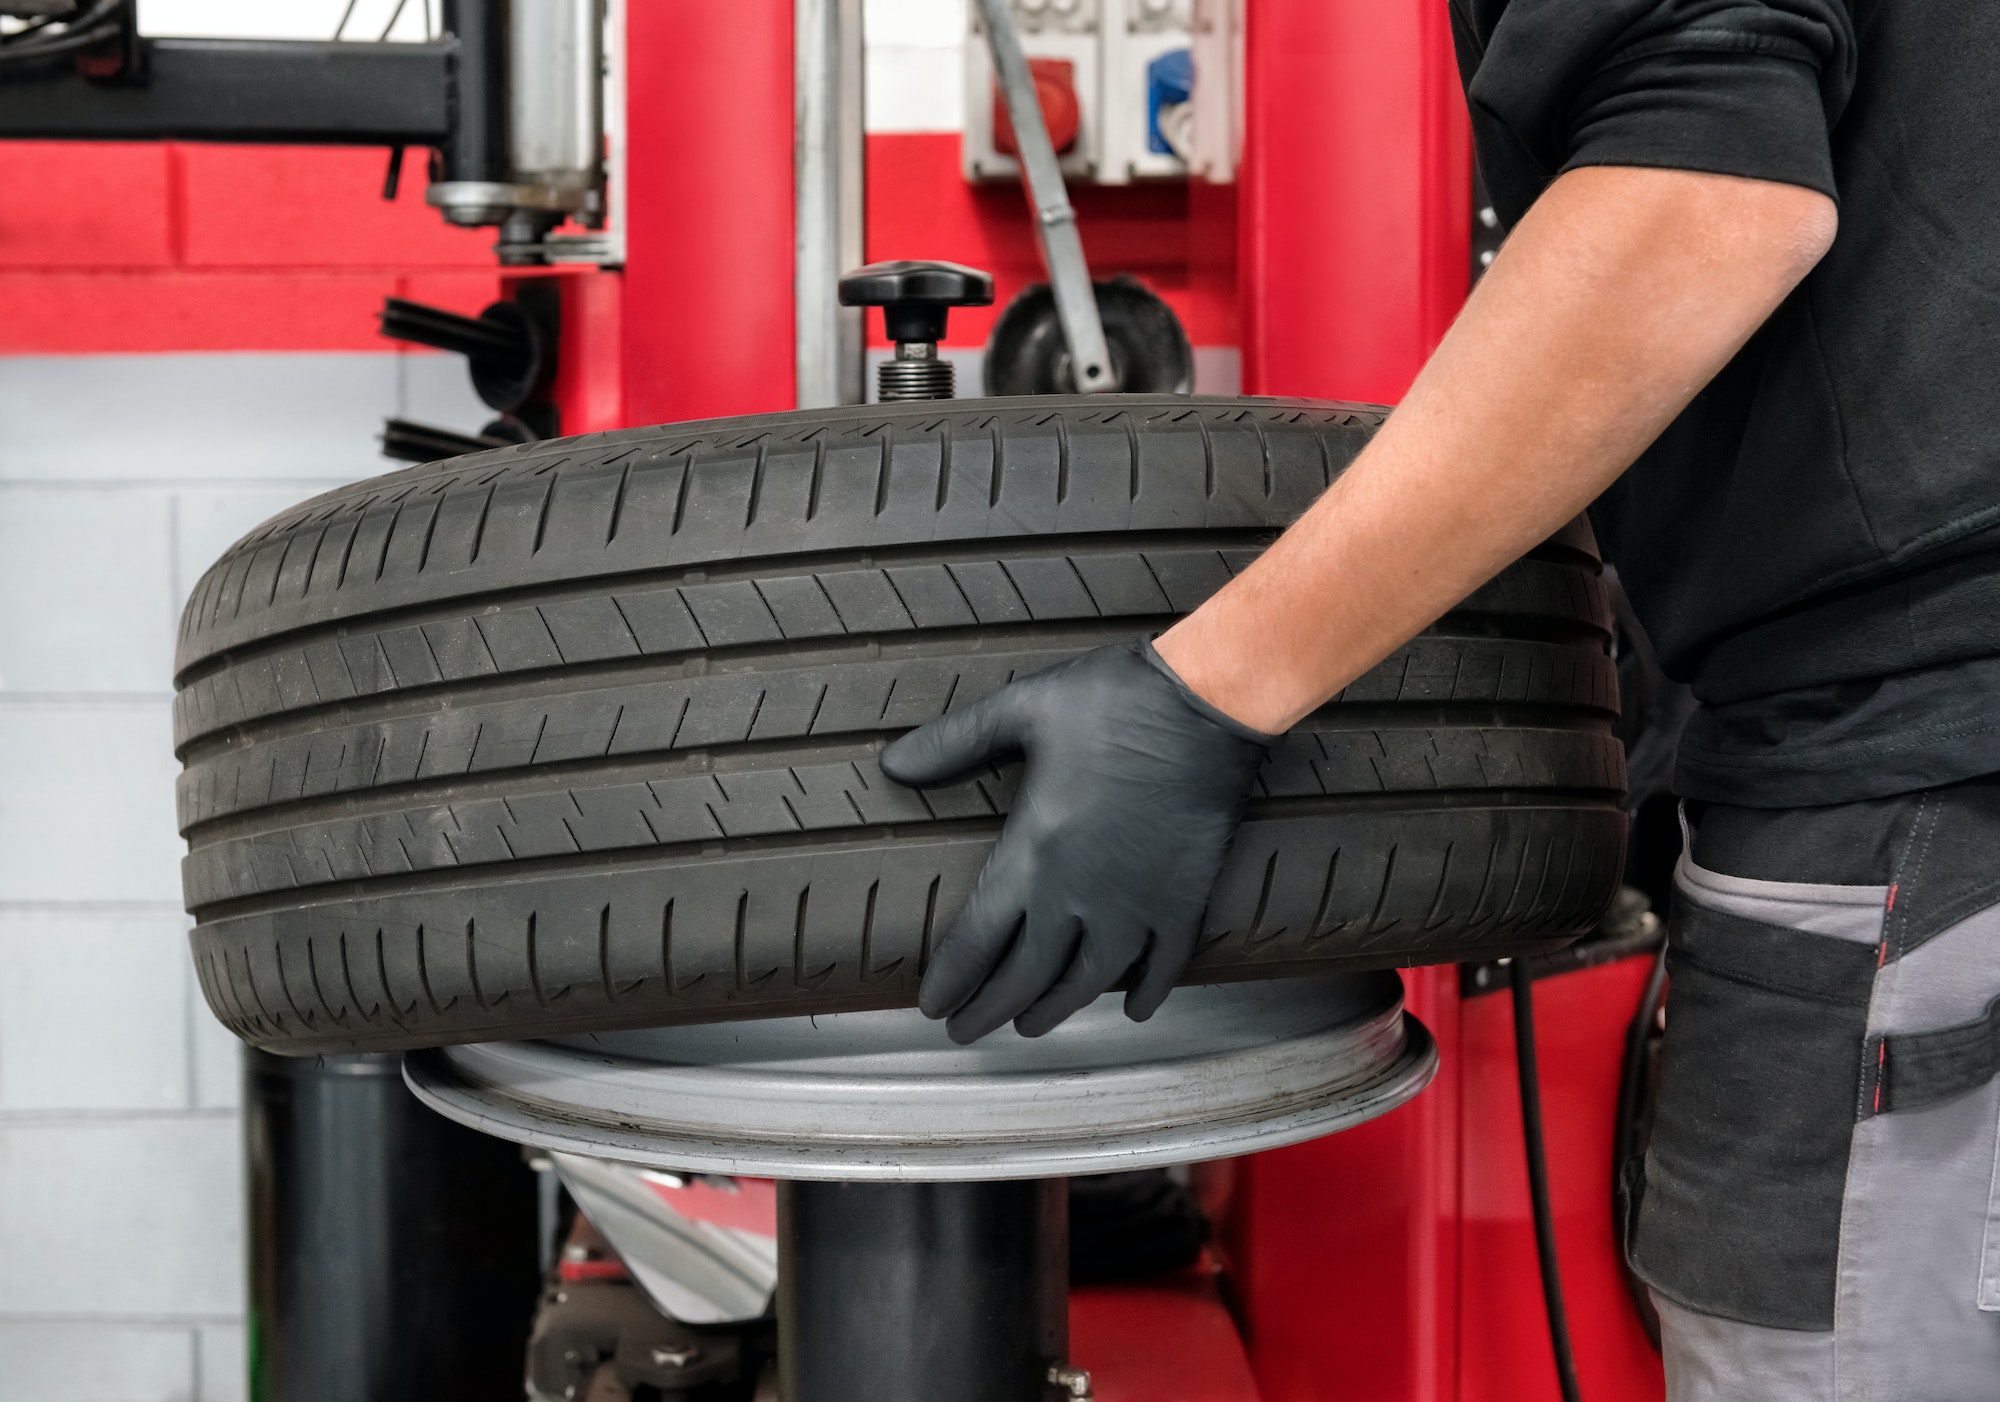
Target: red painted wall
[[169, 247]]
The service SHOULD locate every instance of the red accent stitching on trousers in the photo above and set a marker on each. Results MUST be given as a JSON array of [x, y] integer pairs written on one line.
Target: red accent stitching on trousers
[[1892, 893], [1881, 1060]]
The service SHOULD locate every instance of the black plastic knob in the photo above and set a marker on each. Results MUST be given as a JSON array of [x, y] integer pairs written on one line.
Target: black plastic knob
[[915, 297]]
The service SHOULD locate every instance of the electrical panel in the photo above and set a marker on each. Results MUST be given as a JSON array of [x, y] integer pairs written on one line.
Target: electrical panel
[[1215, 125], [1118, 89]]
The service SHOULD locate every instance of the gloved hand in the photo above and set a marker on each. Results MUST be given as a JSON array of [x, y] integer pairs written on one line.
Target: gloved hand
[[1132, 790]]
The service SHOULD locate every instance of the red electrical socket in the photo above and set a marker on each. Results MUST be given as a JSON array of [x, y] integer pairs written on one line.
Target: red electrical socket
[[1055, 89]]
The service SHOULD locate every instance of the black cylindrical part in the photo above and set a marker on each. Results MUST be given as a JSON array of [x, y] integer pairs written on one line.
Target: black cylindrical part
[[392, 1252], [478, 146], [908, 1292]]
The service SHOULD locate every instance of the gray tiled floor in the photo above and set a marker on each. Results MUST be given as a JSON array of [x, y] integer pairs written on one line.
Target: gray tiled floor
[[121, 478]]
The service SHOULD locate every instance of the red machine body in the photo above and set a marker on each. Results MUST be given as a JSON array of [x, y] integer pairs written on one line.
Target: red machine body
[[1391, 1263]]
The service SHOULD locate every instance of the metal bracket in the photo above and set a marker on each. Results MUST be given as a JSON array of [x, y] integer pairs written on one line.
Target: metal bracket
[[1630, 927], [1055, 221]]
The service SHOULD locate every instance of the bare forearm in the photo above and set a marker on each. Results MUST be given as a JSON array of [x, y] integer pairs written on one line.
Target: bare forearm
[[1619, 296]]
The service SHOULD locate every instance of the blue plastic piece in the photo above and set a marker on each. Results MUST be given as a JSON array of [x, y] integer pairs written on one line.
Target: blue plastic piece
[[1169, 82]]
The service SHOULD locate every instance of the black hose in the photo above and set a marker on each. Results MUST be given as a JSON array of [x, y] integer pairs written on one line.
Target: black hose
[[1521, 981]]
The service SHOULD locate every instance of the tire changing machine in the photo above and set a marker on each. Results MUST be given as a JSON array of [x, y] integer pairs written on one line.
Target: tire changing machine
[[922, 1226], [922, 1221]]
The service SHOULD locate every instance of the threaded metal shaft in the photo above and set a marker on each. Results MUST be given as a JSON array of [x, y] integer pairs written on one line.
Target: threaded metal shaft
[[916, 371]]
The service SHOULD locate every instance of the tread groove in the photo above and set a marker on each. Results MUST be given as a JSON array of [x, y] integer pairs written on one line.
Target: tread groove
[[542, 515], [396, 1014], [618, 503], [1431, 918], [338, 1019], [818, 474], [681, 493], [472, 966], [1256, 935], [884, 446], [756, 486], [478, 529], [347, 977], [1375, 925], [430, 530], [1319, 925], [930, 925], [424, 974]]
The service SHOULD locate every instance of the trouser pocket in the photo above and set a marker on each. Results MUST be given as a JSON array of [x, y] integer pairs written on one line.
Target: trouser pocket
[[1912, 1072], [1761, 1072]]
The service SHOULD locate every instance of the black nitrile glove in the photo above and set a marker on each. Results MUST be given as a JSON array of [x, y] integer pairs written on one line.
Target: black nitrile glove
[[1132, 789]]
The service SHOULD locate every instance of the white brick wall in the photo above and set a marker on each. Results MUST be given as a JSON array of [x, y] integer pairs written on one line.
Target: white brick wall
[[121, 478], [916, 65]]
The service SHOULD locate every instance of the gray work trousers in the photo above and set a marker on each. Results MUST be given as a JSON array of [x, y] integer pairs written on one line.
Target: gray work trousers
[[1820, 1211]]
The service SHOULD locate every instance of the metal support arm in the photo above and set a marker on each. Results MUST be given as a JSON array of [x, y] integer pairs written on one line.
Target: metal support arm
[[350, 94], [1055, 221]]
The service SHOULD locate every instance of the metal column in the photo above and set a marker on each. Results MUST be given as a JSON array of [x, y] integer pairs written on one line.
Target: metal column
[[830, 155], [392, 1252], [892, 1291]]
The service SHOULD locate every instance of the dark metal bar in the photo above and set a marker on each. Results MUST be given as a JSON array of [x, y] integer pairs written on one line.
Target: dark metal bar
[[357, 94], [408, 441], [392, 1251], [477, 149], [890, 1292], [404, 320]]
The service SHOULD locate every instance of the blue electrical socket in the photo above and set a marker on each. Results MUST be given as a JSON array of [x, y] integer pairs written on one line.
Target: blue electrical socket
[[1169, 84]]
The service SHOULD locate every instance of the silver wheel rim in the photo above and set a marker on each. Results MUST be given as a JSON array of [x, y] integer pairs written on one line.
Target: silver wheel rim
[[1220, 1070]]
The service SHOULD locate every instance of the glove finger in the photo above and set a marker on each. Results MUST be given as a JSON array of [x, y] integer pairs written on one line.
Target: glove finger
[[1101, 960], [1047, 942], [1166, 958], [954, 742], [979, 935]]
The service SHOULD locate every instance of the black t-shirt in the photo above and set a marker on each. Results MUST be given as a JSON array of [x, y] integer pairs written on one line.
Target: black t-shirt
[[1814, 544]]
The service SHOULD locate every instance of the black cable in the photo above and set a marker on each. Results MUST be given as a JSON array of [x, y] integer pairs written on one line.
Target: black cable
[[78, 32], [394, 15], [1521, 981], [65, 26]]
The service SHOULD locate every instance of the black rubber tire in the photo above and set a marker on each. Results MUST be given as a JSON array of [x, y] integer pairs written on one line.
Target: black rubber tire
[[581, 734]]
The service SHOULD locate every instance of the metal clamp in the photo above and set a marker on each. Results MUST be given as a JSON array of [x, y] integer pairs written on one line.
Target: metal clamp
[[1070, 1384]]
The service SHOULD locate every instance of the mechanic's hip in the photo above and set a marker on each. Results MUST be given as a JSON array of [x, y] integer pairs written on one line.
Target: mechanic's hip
[[1820, 1216]]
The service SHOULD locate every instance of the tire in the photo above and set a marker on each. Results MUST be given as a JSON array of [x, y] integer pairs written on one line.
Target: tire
[[581, 734]]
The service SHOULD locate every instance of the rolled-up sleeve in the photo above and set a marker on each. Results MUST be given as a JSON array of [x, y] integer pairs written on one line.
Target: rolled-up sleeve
[[1734, 87]]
